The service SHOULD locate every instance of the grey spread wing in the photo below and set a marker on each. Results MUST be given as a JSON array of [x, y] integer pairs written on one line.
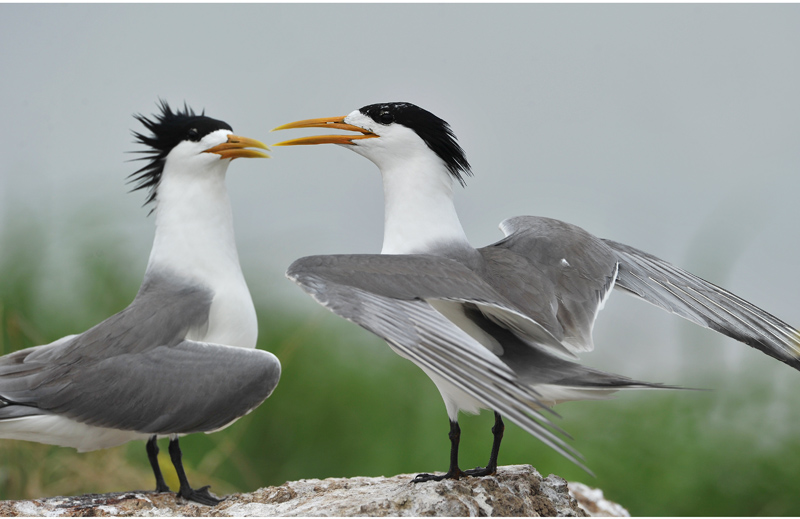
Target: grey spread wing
[[363, 289], [182, 388], [555, 272], [437, 280], [704, 303]]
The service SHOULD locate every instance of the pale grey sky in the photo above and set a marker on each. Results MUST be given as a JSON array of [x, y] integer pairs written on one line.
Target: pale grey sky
[[672, 128]]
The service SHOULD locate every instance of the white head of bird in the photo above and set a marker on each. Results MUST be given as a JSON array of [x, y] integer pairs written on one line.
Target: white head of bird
[[188, 156], [419, 159]]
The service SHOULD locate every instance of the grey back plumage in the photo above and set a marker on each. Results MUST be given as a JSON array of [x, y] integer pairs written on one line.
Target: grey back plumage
[[135, 371]]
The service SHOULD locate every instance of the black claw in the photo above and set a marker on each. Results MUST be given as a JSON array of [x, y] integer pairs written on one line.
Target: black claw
[[454, 472], [421, 478], [481, 471], [200, 495]]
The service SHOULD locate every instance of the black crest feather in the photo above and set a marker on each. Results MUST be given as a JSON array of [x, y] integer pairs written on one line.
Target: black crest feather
[[168, 129], [435, 132]]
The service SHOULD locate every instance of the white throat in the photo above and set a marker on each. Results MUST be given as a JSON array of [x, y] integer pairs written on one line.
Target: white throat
[[194, 239], [419, 212]]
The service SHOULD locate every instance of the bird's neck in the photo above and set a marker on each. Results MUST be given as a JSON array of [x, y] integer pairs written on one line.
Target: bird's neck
[[195, 241], [420, 215], [194, 228]]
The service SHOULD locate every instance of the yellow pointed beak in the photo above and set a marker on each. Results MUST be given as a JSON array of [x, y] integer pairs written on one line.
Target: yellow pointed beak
[[236, 147], [336, 123]]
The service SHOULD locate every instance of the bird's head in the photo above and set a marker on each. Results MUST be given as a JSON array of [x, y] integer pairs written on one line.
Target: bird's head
[[190, 141], [390, 133]]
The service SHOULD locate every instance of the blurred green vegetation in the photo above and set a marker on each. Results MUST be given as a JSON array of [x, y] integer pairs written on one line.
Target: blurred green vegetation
[[348, 406]]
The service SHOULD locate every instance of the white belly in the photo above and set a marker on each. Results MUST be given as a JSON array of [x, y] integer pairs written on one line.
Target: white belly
[[64, 432]]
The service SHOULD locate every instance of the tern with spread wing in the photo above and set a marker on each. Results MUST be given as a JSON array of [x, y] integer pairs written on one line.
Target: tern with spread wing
[[181, 357], [497, 327]]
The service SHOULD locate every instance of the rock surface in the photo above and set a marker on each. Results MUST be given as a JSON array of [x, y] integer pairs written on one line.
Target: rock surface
[[594, 503], [516, 490]]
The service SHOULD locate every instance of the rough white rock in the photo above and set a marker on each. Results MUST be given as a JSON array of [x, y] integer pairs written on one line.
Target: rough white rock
[[594, 503], [517, 490]]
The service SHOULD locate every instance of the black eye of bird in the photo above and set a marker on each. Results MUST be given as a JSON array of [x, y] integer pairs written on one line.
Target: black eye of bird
[[193, 134], [386, 117]]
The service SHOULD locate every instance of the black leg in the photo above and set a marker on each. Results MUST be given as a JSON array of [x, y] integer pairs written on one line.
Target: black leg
[[454, 472], [201, 495], [491, 467], [152, 455]]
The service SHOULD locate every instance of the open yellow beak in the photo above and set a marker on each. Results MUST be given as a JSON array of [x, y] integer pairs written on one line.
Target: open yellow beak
[[236, 147], [336, 123]]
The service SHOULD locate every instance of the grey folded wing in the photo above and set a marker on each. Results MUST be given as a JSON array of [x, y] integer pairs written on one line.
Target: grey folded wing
[[704, 303], [385, 295], [182, 388]]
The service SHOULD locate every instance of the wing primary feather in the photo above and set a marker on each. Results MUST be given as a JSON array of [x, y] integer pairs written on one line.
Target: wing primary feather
[[706, 304]]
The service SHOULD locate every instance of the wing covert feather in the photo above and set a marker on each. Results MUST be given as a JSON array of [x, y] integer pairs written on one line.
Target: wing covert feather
[[554, 272], [420, 276]]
